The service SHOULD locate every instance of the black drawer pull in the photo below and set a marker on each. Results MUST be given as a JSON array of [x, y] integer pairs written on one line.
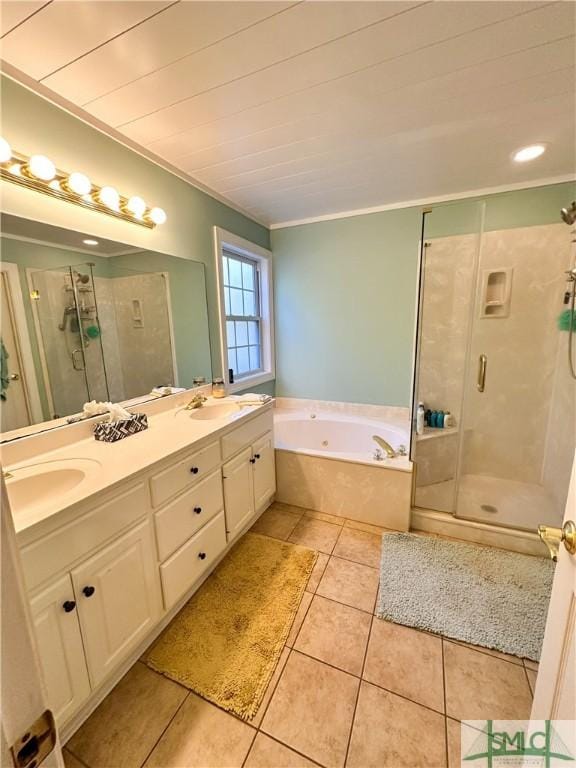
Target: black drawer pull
[[202, 555], [256, 455], [89, 591], [69, 605], [194, 470], [197, 510], [252, 461]]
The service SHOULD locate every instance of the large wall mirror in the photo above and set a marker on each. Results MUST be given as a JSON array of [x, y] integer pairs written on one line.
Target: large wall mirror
[[90, 319]]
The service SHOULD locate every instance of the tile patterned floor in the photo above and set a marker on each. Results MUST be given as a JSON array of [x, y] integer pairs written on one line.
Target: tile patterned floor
[[349, 690]]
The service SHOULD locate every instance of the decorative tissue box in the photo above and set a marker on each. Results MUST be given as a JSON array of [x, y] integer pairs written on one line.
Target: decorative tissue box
[[111, 431]]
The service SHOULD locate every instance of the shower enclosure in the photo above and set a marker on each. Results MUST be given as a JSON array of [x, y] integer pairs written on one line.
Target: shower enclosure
[[100, 336], [492, 352]]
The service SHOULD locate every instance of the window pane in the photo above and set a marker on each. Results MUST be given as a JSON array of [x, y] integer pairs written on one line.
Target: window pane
[[241, 334], [230, 334], [232, 360], [253, 333], [249, 303], [254, 358], [243, 360], [236, 306], [227, 300], [235, 272], [225, 268], [248, 272]]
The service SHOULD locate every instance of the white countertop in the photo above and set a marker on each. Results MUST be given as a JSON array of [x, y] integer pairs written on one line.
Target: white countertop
[[168, 433]]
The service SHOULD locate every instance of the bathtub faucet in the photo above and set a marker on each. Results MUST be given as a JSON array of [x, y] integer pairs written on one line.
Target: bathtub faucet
[[386, 447]]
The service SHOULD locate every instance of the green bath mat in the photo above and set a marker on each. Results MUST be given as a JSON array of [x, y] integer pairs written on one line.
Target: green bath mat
[[480, 595]]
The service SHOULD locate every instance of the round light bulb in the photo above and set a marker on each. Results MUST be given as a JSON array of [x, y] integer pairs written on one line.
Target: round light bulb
[[157, 215], [529, 153], [79, 183], [109, 197], [5, 151], [41, 167], [136, 206]]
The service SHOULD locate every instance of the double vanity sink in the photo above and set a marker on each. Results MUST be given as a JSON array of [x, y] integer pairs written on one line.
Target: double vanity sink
[[38, 487], [114, 538]]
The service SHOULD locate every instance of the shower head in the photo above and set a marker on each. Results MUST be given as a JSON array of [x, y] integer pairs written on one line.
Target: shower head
[[569, 214]]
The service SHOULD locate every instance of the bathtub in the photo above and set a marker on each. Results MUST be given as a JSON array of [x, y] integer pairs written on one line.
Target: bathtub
[[325, 460]]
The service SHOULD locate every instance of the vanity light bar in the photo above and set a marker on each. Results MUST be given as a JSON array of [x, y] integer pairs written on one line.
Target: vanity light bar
[[39, 173]]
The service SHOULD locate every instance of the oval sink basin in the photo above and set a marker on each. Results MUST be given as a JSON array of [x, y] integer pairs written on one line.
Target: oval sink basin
[[220, 411], [36, 484]]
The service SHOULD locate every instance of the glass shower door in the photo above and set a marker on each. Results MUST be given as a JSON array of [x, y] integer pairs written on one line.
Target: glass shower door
[[449, 257], [518, 414]]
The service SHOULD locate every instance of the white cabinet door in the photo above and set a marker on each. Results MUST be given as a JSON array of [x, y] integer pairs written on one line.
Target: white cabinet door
[[264, 470], [238, 492], [118, 597], [55, 617]]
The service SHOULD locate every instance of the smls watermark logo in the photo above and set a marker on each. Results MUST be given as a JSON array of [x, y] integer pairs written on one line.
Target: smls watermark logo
[[522, 743]]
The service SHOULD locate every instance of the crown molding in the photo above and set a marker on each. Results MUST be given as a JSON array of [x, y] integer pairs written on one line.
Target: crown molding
[[547, 182], [15, 74]]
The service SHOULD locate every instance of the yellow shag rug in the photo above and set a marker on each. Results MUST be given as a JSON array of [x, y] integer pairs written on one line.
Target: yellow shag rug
[[225, 643]]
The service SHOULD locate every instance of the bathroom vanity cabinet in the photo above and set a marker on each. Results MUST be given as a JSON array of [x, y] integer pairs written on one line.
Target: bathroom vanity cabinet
[[111, 575]]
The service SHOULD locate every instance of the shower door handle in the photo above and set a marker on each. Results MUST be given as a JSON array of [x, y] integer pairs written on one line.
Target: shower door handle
[[73, 356], [480, 384]]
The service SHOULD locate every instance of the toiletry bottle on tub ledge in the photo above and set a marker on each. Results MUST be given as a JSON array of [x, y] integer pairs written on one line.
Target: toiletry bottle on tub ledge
[[420, 419]]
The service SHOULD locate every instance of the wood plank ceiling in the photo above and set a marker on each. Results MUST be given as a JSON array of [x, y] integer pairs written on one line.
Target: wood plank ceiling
[[293, 110]]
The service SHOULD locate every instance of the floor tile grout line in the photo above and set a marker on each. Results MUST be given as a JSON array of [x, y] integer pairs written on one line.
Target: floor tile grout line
[[480, 649], [166, 728], [445, 705], [273, 690], [301, 754], [256, 732], [528, 681], [358, 693], [338, 602], [74, 755]]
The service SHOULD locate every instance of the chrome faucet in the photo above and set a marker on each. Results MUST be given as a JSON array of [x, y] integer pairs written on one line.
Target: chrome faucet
[[196, 402], [386, 447]]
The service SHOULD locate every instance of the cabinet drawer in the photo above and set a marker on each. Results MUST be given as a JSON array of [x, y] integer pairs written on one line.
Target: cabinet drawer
[[185, 472], [246, 434], [187, 564], [187, 514], [54, 552]]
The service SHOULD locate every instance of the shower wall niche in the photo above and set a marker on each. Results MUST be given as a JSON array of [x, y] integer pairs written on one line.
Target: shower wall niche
[[495, 296]]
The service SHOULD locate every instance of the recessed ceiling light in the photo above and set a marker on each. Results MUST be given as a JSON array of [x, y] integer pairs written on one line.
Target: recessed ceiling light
[[90, 242], [529, 153]]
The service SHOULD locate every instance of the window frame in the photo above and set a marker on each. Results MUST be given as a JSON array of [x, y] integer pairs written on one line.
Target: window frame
[[244, 249]]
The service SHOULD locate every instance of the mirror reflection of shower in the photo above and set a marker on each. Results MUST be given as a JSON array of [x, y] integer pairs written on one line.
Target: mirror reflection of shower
[[569, 217], [101, 336], [79, 321]]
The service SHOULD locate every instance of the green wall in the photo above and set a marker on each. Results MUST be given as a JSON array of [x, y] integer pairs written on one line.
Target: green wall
[[346, 292], [34, 125]]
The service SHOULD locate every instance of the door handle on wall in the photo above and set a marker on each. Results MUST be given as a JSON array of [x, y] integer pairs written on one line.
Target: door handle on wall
[[482, 362]]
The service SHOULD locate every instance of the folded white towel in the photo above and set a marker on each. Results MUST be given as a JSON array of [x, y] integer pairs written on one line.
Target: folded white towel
[[251, 398], [163, 391]]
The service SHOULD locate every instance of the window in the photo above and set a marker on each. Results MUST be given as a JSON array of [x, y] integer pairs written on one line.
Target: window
[[246, 316], [241, 280]]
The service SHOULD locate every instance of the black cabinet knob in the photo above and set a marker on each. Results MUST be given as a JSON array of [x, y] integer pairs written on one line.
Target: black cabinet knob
[[256, 455], [194, 470], [197, 510], [252, 461], [69, 605], [89, 591], [202, 555]]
